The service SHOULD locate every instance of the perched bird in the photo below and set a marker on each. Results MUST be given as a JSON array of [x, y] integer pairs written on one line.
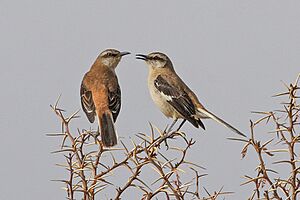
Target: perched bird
[[173, 97], [101, 95]]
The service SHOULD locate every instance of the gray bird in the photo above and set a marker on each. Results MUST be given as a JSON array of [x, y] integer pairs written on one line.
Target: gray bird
[[172, 96]]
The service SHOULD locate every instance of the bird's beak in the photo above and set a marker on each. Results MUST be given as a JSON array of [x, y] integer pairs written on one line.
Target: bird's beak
[[124, 53], [141, 56]]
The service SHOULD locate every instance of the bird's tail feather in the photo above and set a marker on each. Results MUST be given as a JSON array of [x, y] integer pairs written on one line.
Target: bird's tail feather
[[108, 132], [219, 120]]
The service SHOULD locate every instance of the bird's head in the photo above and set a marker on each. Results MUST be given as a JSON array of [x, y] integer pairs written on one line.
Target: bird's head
[[111, 57], [155, 60]]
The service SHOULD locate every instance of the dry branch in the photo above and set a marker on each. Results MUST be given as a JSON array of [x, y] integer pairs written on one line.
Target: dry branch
[[90, 172], [268, 182]]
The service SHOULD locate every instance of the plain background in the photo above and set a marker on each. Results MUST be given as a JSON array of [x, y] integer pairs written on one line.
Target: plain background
[[233, 54]]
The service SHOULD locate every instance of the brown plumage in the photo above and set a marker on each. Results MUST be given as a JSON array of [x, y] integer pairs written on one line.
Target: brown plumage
[[101, 95], [172, 96]]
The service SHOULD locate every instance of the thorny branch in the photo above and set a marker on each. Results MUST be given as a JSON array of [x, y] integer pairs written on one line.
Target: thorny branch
[[268, 182], [91, 173]]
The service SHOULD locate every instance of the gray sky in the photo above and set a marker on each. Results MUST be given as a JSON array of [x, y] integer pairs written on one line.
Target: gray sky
[[232, 53]]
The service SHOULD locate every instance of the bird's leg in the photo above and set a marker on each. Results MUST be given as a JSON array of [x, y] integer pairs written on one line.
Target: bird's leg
[[170, 128], [183, 121], [97, 134], [168, 131]]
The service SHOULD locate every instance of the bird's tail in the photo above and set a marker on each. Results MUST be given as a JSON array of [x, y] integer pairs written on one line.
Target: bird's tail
[[219, 120], [108, 132]]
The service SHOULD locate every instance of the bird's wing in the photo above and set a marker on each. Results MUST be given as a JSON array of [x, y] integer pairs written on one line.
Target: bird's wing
[[87, 103], [178, 99], [114, 99]]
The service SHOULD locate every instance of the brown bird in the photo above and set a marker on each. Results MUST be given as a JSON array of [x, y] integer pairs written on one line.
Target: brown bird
[[172, 96], [101, 95]]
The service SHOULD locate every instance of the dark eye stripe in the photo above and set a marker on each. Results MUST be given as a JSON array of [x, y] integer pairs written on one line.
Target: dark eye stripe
[[157, 58], [110, 54]]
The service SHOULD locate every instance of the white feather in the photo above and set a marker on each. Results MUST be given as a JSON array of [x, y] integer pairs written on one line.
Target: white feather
[[167, 97]]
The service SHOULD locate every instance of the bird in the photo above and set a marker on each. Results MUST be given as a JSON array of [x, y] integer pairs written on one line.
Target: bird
[[100, 94], [173, 97]]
